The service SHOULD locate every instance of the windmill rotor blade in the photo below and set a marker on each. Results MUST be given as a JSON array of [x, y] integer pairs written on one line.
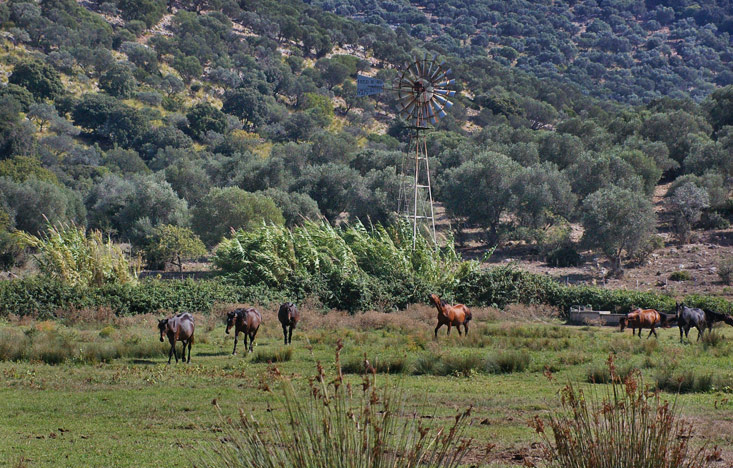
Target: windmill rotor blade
[[444, 101]]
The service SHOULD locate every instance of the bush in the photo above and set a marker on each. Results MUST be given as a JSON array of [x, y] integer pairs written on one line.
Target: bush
[[585, 432], [680, 276], [725, 270], [564, 257]]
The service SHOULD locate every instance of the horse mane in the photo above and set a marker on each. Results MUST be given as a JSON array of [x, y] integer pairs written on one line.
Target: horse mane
[[443, 303]]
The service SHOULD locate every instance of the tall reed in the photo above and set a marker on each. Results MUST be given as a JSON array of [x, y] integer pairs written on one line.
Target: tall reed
[[332, 424], [70, 254], [629, 427]]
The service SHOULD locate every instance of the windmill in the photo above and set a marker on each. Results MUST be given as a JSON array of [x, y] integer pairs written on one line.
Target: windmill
[[422, 99]]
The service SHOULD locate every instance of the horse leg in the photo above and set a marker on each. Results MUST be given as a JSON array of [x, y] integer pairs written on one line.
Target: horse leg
[[244, 337], [680, 327], [465, 327], [436, 329], [699, 332], [236, 338], [252, 340], [449, 325], [458, 327], [190, 342], [170, 354], [285, 334], [650, 334], [290, 335]]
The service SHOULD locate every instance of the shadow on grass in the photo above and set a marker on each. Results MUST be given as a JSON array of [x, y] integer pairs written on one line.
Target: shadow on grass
[[211, 354]]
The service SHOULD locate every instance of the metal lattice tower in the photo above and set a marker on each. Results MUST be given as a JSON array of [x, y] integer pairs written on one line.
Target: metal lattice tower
[[422, 92], [422, 99]]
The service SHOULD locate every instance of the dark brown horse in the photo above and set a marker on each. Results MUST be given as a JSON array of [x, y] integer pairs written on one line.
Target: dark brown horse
[[289, 317], [644, 318], [178, 328], [244, 320], [712, 317], [451, 315]]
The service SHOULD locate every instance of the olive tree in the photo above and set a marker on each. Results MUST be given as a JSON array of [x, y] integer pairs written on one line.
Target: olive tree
[[618, 222], [687, 203]]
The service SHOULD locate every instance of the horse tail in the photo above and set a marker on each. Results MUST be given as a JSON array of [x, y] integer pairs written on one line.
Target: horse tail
[[469, 316]]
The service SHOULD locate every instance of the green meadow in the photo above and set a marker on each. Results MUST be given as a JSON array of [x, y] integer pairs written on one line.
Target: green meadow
[[96, 390]]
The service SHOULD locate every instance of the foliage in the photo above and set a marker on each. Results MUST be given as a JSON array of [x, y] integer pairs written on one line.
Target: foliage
[[591, 432], [680, 276], [617, 221], [725, 270], [172, 244], [687, 203], [69, 254], [564, 257], [329, 425], [203, 118], [38, 78], [353, 268], [231, 208]]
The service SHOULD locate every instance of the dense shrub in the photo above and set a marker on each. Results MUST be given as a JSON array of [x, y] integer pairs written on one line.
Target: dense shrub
[[564, 257], [680, 276]]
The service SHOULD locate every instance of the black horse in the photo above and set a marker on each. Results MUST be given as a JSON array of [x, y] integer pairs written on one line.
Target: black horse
[[688, 317]]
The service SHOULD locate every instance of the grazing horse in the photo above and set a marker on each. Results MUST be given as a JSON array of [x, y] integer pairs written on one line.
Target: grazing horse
[[451, 315], [244, 320], [178, 328], [644, 318], [688, 317], [288, 316], [712, 317]]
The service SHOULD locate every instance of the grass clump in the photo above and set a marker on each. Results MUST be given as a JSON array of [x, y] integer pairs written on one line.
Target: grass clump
[[506, 362], [380, 364], [273, 355], [12, 344], [680, 276], [687, 381], [332, 424], [462, 365], [628, 427], [712, 339]]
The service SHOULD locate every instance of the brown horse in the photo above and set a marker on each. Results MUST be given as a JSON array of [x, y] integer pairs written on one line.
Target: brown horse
[[451, 315], [644, 318], [244, 320], [289, 317], [178, 328]]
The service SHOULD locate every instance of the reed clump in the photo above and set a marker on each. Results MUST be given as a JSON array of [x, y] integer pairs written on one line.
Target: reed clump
[[627, 427], [333, 423]]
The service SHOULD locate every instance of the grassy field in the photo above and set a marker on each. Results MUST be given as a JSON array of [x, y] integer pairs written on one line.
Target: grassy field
[[112, 401]]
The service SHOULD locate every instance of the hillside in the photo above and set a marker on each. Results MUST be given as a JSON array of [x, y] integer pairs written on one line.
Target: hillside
[[628, 51], [136, 115]]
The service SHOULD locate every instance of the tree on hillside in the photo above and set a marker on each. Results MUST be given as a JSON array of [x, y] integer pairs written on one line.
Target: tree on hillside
[[118, 82], [687, 202], [720, 107], [148, 11], [229, 208], [203, 117], [618, 222], [172, 244], [247, 104], [40, 79], [481, 190]]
